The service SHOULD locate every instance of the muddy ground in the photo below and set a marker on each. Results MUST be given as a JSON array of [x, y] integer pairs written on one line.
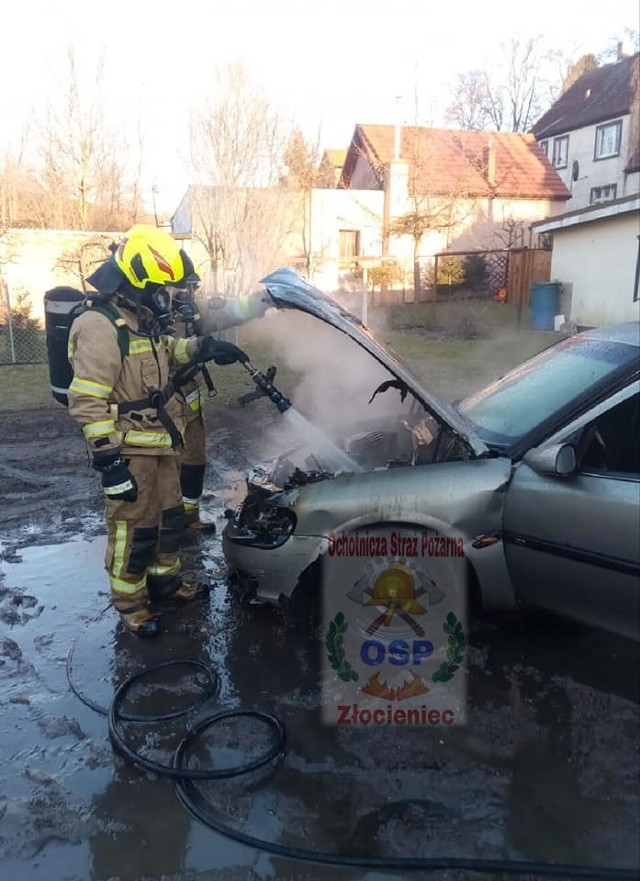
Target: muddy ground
[[546, 770]]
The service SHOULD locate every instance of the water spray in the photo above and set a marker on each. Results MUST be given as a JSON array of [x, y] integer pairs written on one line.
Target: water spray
[[334, 457], [265, 388]]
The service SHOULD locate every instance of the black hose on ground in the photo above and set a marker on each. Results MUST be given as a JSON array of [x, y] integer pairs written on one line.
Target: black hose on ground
[[182, 773], [209, 691], [188, 794]]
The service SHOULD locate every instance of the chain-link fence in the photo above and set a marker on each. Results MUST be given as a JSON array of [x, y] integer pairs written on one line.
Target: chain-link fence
[[22, 339]]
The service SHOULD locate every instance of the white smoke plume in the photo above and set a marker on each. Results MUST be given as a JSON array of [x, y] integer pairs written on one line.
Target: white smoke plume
[[328, 377]]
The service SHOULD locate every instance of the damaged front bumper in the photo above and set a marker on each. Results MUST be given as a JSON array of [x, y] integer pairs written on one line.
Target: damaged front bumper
[[268, 580], [259, 541], [277, 533]]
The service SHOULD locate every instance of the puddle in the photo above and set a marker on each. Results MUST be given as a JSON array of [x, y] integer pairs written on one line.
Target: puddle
[[546, 769]]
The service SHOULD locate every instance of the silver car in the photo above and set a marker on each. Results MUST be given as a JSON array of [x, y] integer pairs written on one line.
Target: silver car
[[537, 477]]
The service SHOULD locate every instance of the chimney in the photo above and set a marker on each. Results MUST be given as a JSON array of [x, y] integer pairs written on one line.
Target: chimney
[[489, 158], [396, 141], [624, 50]]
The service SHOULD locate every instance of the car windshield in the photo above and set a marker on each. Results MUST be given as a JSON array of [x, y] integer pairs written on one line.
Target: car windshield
[[534, 392]]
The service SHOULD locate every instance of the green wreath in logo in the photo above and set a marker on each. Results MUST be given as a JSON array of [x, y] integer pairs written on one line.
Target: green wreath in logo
[[335, 652], [455, 650]]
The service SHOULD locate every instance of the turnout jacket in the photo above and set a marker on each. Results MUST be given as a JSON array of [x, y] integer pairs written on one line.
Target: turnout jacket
[[103, 380]]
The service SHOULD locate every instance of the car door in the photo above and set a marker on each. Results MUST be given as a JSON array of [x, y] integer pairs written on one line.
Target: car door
[[572, 543]]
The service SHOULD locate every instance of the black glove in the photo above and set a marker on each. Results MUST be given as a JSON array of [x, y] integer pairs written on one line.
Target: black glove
[[118, 483], [220, 351]]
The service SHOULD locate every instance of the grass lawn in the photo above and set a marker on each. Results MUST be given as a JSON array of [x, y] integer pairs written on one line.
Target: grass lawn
[[450, 368], [24, 387], [455, 368]]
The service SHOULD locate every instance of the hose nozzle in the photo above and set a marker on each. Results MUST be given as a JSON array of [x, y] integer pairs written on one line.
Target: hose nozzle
[[265, 388]]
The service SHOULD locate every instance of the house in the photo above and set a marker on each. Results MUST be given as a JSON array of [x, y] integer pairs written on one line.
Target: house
[[460, 190], [596, 257], [592, 132], [468, 190], [235, 237]]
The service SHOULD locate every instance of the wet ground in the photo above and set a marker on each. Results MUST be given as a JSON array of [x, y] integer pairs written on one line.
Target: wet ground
[[546, 770]]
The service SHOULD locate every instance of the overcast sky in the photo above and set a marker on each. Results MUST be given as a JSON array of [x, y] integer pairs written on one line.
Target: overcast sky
[[332, 63]]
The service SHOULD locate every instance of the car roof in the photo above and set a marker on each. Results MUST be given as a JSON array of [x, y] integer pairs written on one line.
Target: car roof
[[628, 333]]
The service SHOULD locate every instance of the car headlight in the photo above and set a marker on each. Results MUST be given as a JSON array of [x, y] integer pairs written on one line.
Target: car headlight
[[260, 524]]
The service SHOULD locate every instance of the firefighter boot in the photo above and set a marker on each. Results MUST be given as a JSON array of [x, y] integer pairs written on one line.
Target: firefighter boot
[[194, 522], [139, 620], [193, 586], [184, 588]]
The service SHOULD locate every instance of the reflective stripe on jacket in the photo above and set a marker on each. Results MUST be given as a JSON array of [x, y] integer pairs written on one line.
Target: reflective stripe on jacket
[[103, 379]]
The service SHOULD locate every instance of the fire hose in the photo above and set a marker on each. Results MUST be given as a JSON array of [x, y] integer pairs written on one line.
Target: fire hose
[[186, 778]]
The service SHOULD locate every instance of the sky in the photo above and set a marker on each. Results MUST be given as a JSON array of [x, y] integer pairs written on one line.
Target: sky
[[329, 63]]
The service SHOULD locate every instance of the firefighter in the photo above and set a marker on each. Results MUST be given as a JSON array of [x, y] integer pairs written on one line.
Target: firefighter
[[131, 419], [220, 313]]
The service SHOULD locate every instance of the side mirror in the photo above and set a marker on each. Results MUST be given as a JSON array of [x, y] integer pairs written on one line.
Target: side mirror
[[557, 460]]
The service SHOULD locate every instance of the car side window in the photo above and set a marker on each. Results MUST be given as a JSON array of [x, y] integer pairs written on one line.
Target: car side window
[[611, 443]]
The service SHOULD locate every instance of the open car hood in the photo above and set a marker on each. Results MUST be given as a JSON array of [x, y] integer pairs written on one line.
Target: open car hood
[[289, 290]]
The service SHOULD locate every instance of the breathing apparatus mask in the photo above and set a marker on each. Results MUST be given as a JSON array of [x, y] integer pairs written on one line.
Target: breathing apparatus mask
[[152, 306], [184, 304]]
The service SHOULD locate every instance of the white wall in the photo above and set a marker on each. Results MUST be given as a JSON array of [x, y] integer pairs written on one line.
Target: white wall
[[598, 261], [335, 210], [631, 184], [593, 173], [28, 259]]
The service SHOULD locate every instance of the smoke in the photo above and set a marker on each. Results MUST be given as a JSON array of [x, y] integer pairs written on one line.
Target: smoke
[[328, 377]]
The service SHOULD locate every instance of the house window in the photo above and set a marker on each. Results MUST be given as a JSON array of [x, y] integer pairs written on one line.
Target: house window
[[603, 194], [608, 140], [544, 146], [561, 151], [349, 246]]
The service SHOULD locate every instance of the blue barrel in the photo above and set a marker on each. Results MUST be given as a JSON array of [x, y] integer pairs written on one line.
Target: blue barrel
[[544, 304]]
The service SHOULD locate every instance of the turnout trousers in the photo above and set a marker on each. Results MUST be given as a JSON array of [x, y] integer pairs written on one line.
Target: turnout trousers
[[143, 536], [192, 461]]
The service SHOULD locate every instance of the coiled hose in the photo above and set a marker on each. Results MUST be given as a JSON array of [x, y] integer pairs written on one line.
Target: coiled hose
[[188, 795]]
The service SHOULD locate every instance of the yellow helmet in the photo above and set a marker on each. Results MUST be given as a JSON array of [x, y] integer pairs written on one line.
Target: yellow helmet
[[396, 585], [146, 258], [147, 255]]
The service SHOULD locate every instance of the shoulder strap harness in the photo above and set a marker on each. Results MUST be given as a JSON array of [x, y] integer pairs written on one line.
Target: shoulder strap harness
[[157, 398]]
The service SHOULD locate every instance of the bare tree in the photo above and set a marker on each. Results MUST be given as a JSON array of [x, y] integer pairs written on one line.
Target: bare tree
[[433, 208], [238, 138], [83, 164], [469, 107], [80, 261], [628, 40], [510, 96], [305, 172], [578, 68], [23, 202]]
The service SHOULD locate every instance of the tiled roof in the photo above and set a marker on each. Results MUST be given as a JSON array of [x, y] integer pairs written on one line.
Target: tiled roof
[[456, 162], [599, 94]]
